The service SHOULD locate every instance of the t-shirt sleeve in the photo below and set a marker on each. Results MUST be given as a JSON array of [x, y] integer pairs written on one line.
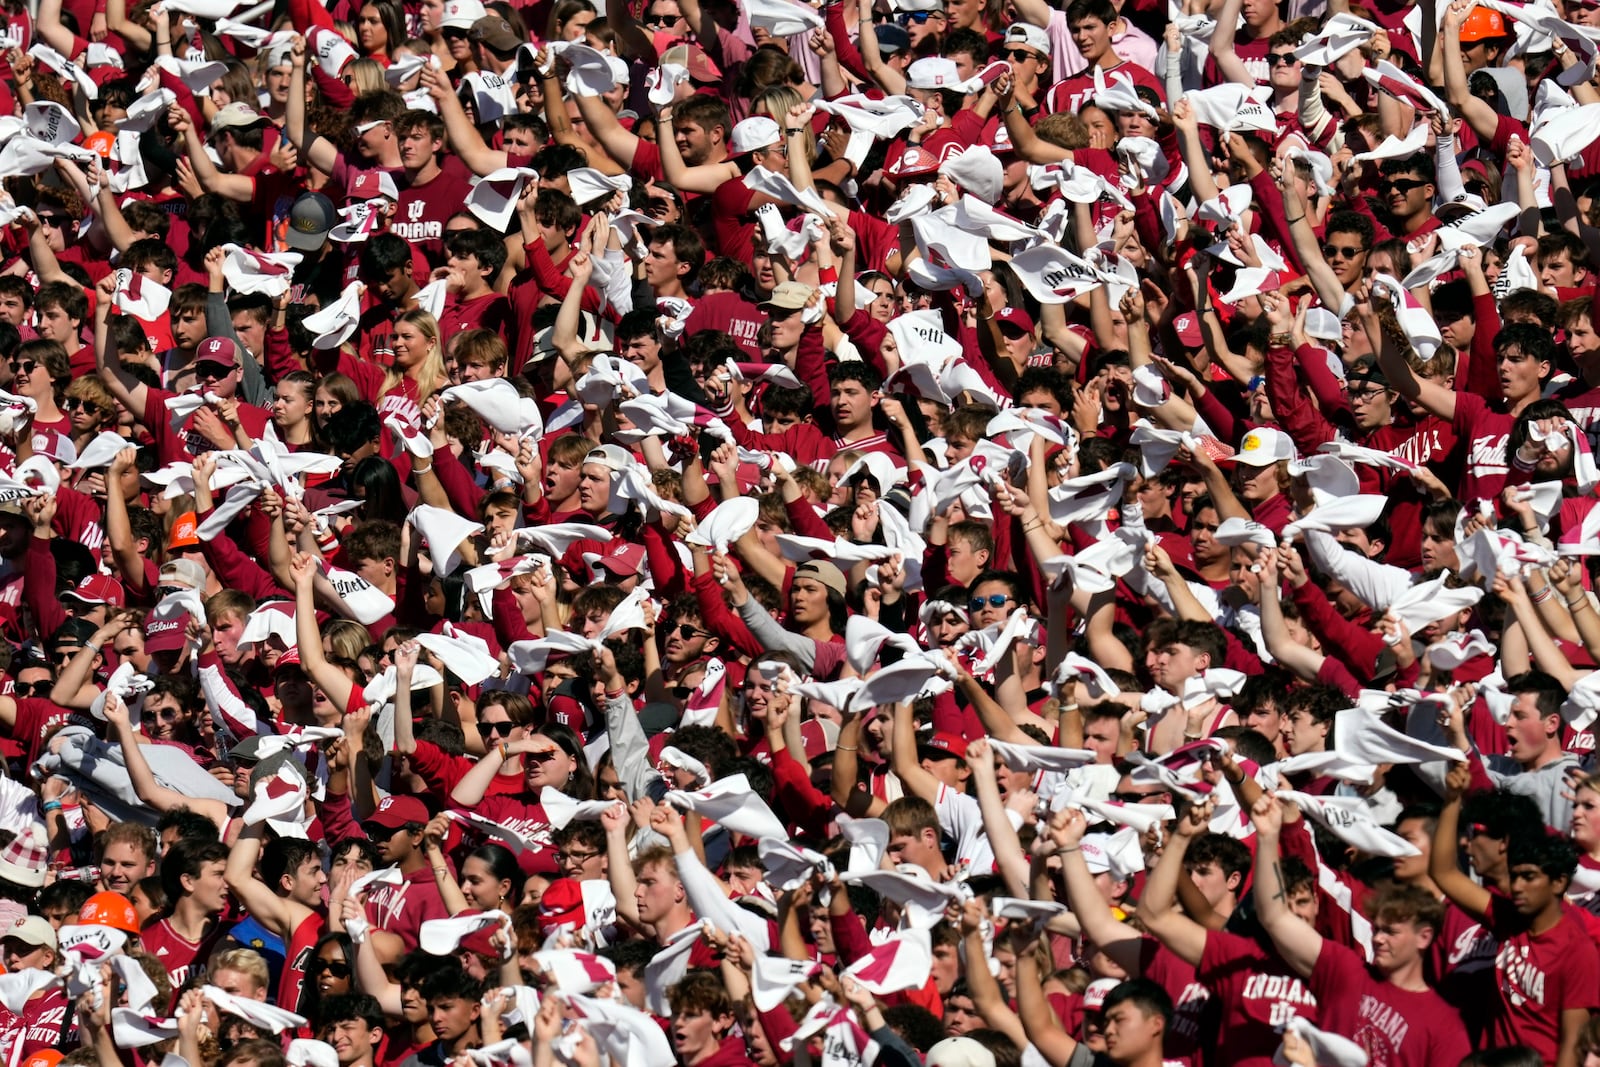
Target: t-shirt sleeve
[[1338, 969], [1470, 407], [646, 163], [1580, 971]]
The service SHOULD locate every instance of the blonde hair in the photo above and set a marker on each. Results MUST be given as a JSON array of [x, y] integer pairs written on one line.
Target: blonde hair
[[247, 961], [775, 102], [366, 76], [430, 372]]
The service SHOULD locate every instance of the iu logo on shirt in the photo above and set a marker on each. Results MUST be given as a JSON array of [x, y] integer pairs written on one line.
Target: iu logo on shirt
[[415, 209]]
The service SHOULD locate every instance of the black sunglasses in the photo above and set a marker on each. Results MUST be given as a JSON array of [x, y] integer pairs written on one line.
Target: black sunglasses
[[72, 403], [1403, 185], [1017, 55], [25, 366], [490, 729], [332, 967], [657, 22], [1282, 59], [1137, 798], [33, 689], [689, 633]]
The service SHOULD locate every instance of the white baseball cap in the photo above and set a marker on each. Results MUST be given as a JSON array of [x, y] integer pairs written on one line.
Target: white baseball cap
[[1029, 36], [1264, 446], [461, 14], [933, 72], [755, 132]]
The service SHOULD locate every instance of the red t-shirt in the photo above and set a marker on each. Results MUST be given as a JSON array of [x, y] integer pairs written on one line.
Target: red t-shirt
[[1397, 1027], [1193, 1008], [1483, 432], [1463, 962], [1539, 976], [172, 446], [735, 225], [402, 909], [422, 210], [491, 311], [727, 313], [523, 818], [1258, 993]]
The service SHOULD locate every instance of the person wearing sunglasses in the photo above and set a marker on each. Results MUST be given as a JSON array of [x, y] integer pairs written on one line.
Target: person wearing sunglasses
[[40, 369], [1407, 190], [1027, 49]]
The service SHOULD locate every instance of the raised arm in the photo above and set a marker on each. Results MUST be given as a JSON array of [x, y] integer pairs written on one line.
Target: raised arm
[[330, 679], [1158, 908], [143, 779], [1295, 939], [315, 150], [1443, 867], [1010, 857], [1117, 940], [268, 908]]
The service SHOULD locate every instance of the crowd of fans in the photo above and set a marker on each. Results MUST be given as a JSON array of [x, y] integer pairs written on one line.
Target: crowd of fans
[[964, 533]]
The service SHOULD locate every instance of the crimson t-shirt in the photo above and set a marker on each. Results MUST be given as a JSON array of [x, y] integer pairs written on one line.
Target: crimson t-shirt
[[1483, 432], [1258, 993], [422, 210], [729, 313], [37, 1028], [1539, 976], [402, 909], [177, 955], [1397, 1027]]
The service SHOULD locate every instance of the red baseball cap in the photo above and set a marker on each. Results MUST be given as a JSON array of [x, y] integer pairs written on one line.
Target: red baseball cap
[[622, 558], [98, 589], [393, 812], [944, 745], [1015, 317]]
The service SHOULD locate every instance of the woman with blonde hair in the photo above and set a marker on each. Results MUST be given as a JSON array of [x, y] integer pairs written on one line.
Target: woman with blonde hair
[[418, 370], [364, 75]]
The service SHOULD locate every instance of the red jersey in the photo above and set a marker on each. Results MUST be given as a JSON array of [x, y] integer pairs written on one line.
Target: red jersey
[[1397, 1027], [528, 820], [38, 1028], [296, 959], [422, 210], [1193, 1009], [1073, 93], [1258, 994], [177, 954], [1539, 976]]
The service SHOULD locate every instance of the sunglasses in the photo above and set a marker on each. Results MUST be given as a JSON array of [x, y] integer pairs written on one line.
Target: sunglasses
[[1281, 59], [1343, 251], [487, 730], [331, 967], [65, 655], [33, 689], [454, 32], [25, 366], [689, 633], [53, 221], [1137, 798], [679, 692], [657, 22], [993, 600], [919, 17], [72, 403], [1403, 185], [1017, 55]]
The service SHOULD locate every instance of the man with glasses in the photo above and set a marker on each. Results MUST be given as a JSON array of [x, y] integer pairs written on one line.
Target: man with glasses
[[397, 912], [581, 851], [1027, 49]]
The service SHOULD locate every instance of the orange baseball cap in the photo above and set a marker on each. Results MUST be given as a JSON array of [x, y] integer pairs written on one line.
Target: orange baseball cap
[[183, 533], [45, 1057], [110, 909]]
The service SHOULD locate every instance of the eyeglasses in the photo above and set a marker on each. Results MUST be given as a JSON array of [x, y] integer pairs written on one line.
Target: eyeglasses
[[168, 714], [487, 730], [1363, 396], [1282, 59], [1017, 55], [25, 366], [1343, 251], [1402, 185], [575, 857], [330, 967], [72, 403], [993, 600]]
